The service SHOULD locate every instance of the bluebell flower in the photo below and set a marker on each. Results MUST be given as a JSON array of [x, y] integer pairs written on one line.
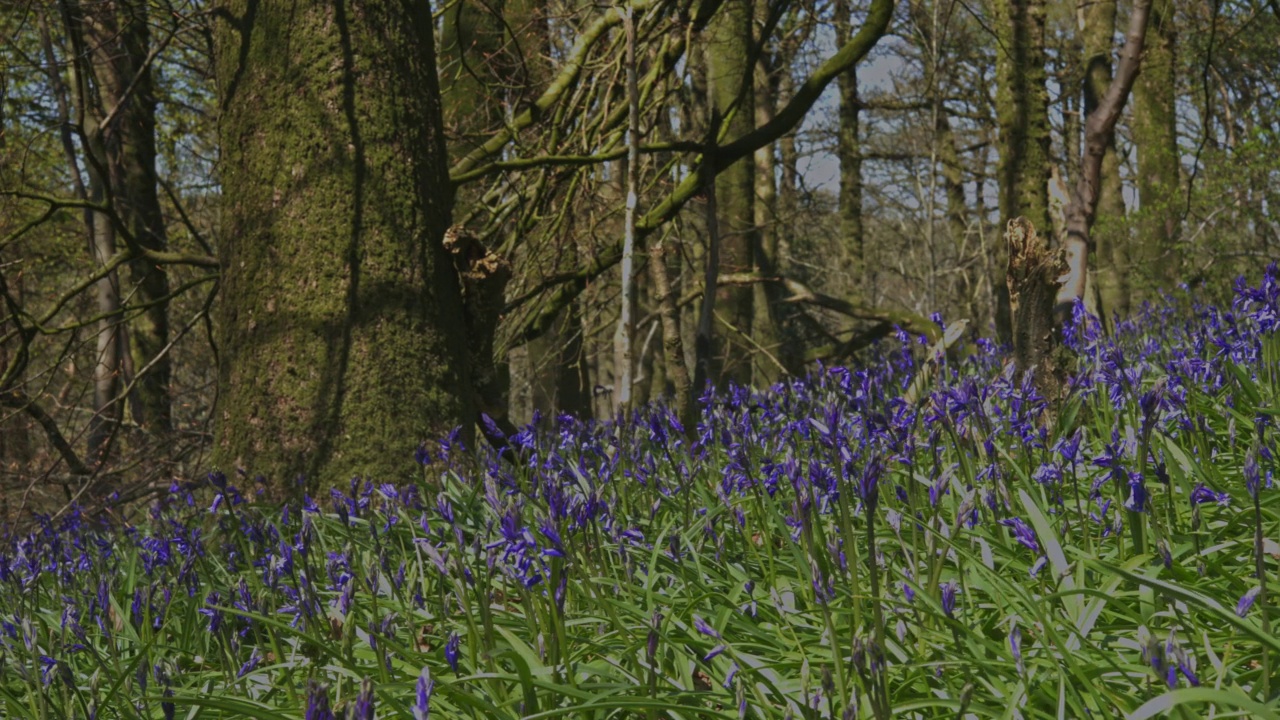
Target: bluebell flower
[[451, 651], [728, 678], [47, 665], [255, 657], [363, 708], [702, 627], [1202, 495], [1023, 533], [868, 484], [1252, 478], [949, 590], [318, 702], [1246, 601], [422, 699], [1137, 501]]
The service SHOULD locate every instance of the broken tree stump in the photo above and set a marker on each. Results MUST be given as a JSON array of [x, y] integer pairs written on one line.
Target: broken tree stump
[[1033, 280]]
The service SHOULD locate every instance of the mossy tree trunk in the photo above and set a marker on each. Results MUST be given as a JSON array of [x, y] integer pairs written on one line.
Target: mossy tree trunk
[[729, 83], [342, 326], [1155, 135], [849, 155], [1022, 113], [1112, 252]]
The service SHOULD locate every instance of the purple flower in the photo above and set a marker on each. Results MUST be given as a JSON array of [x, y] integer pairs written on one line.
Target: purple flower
[[255, 658], [363, 709], [949, 590], [422, 702], [1252, 478], [47, 664], [451, 651], [1137, 501], [868, 484], [1202, 495], [318, 702], [1023, 532], [728, 679], [1246, 601], [704, 628], [1015, 645], [714, 652]]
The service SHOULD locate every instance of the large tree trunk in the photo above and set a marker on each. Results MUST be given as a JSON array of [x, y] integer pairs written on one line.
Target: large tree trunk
[[1156, 138], [342, 324], [729, 80], [1022, 112], [1112, 251]]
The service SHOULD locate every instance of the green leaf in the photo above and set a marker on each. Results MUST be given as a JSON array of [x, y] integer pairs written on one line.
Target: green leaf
[[1234, 699]]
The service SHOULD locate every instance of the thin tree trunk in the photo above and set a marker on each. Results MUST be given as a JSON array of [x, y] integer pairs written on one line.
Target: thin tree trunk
[[623, 362], [125, 80], [957, 208], [1099, 129], [106, 370], [702, 368], [1112, 252], [849, 155], [766, 301], [672, 345]]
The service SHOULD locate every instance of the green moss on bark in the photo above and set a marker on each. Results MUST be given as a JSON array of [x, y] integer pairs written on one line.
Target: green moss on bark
[[729, 78], [1156, 138], [341, 326]]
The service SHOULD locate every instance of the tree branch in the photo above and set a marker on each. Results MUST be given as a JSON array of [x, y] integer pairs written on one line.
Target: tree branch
[[569, 286]]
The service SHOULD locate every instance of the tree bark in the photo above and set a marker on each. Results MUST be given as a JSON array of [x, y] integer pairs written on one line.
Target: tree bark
[[672, 343], [1022, 113], [1156, 138], [1033, 284], [766, 304], [729, 79], [623, 358], [849, 155], [342, 322], [1112, 250], [1099, 129]]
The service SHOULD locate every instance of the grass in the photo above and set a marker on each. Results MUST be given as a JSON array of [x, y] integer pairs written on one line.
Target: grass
[[822, 549]]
